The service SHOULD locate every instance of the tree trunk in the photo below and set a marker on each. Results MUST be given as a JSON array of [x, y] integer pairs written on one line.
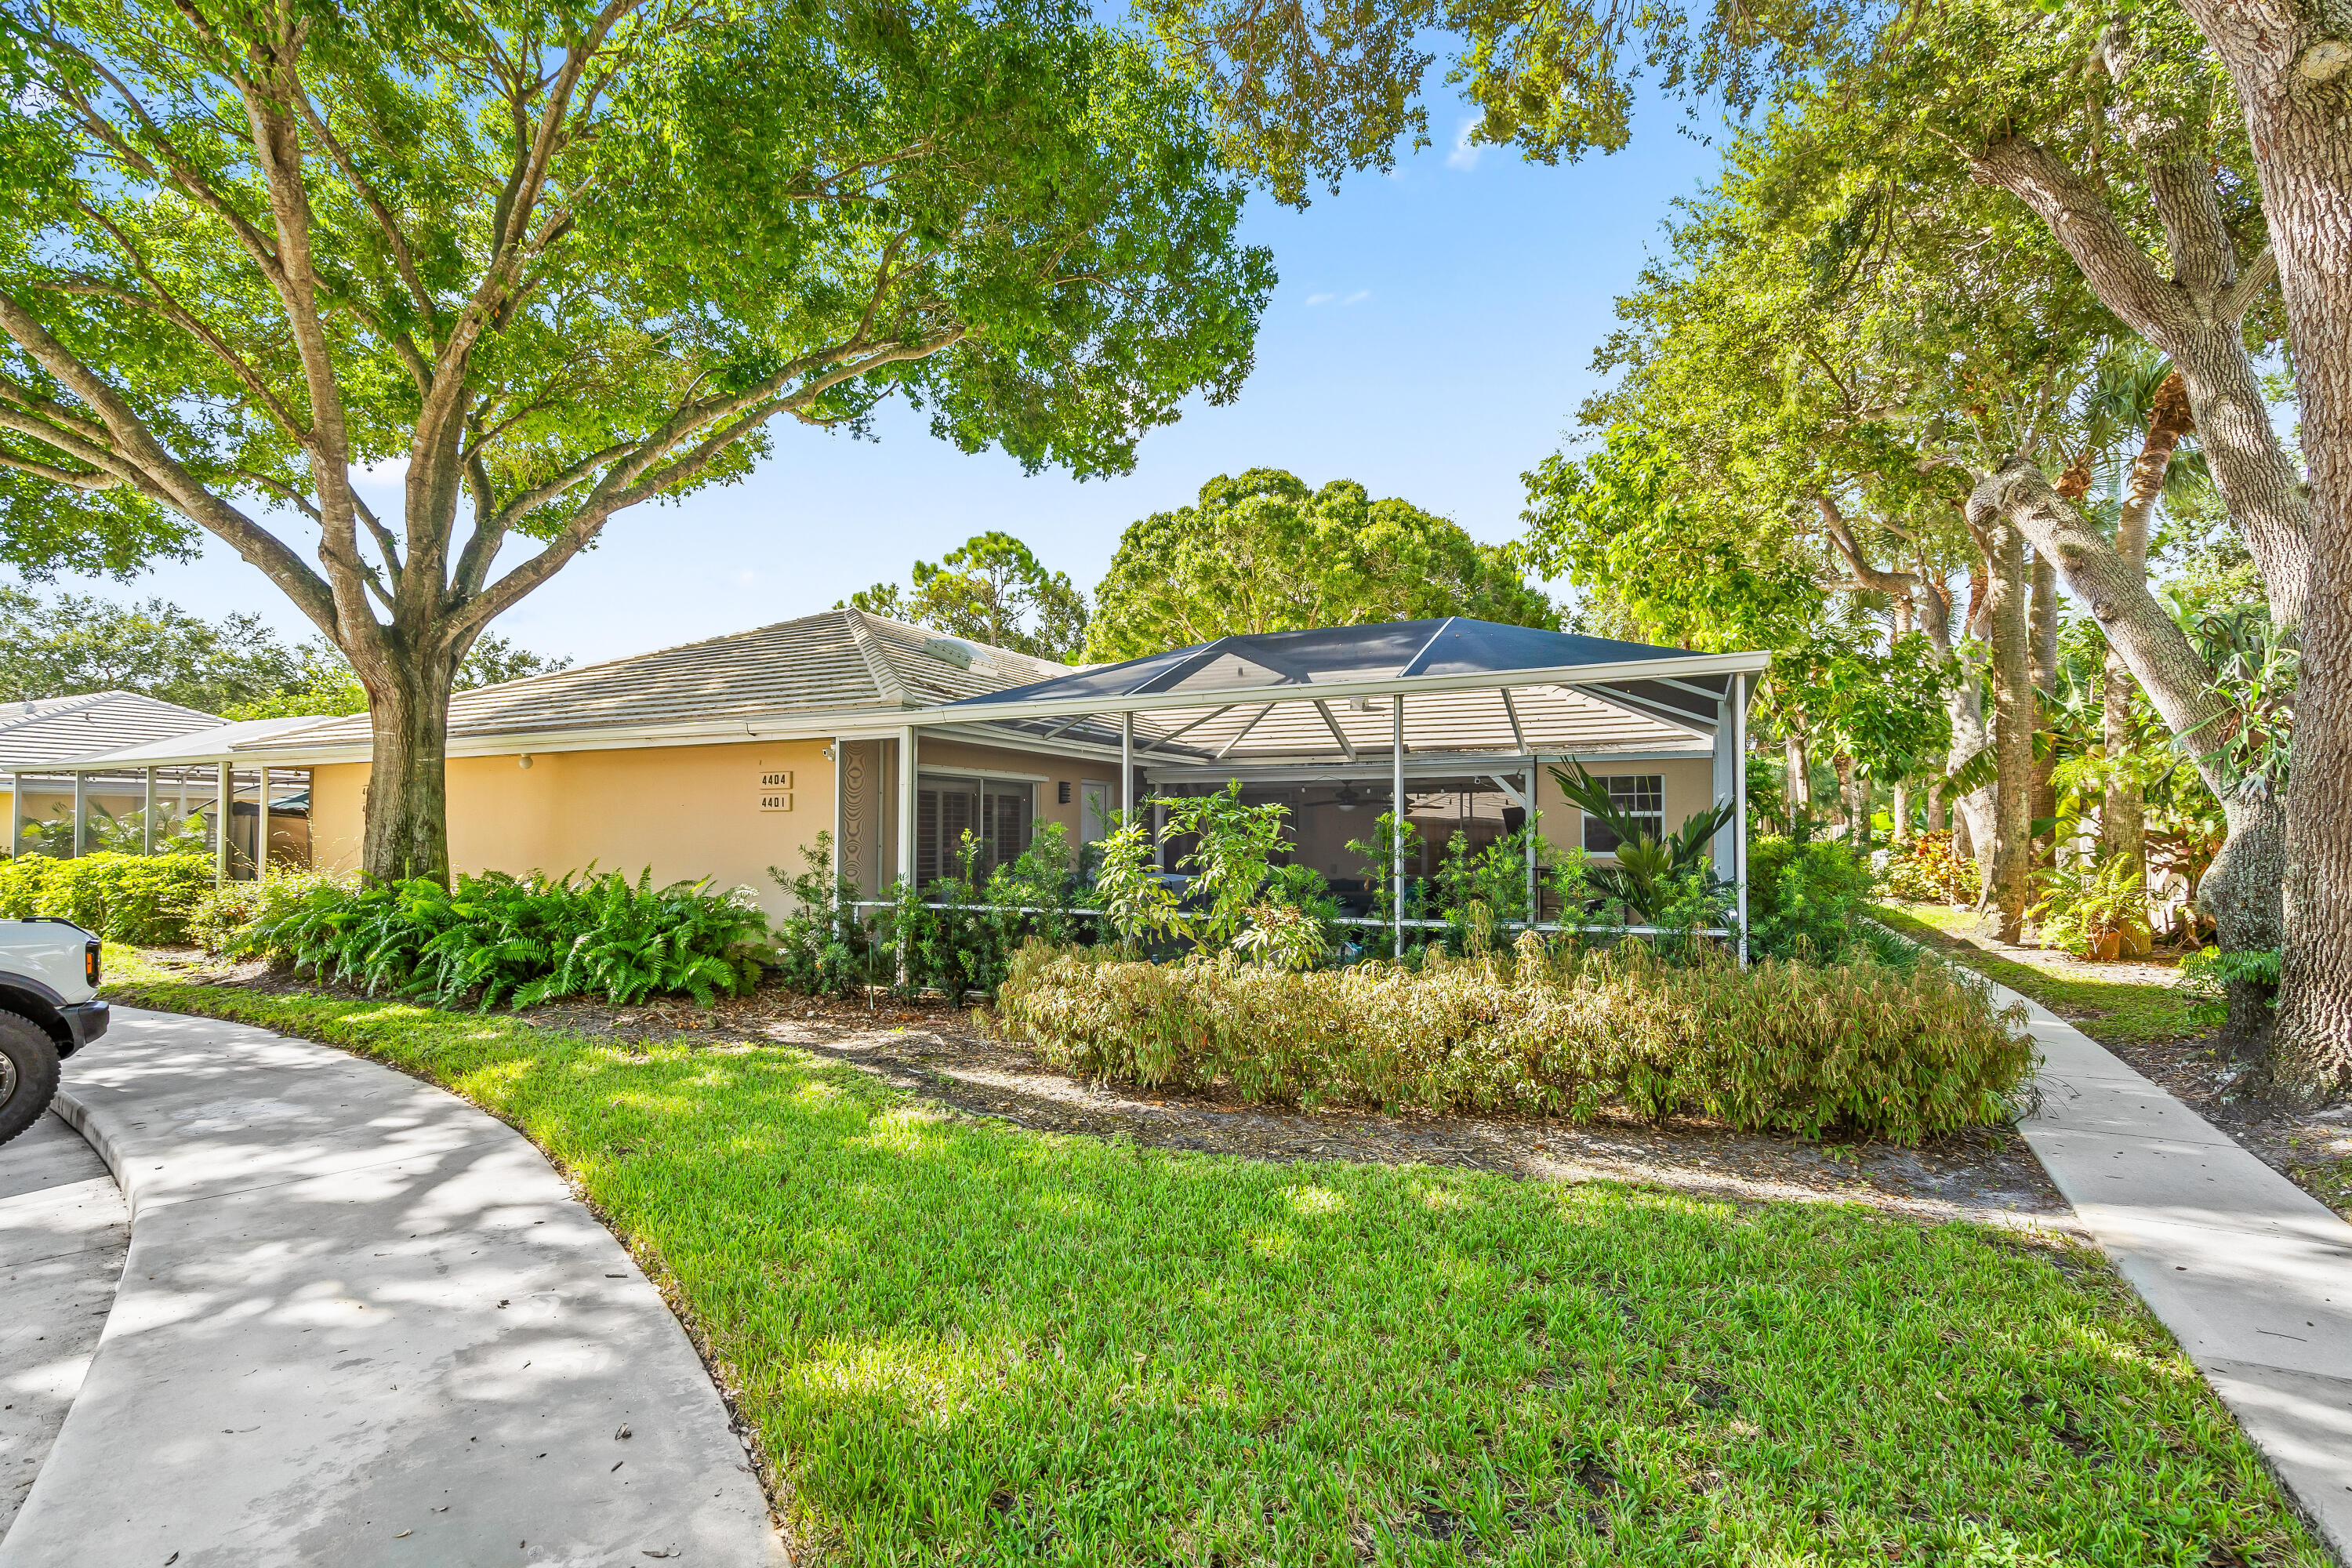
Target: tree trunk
[[2293, 74], [2242, 889], [1799, 786], [1901, 811], [2007, 871], [2042, 634], [407, 794], [2123, 814], [1935, 808]]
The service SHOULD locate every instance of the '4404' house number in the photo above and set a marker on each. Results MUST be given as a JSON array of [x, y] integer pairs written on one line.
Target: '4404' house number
[[776, 791]]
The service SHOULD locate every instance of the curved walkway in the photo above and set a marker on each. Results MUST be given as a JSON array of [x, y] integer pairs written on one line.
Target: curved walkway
[[63, 1231], [363, 1322], [2251, 1274]]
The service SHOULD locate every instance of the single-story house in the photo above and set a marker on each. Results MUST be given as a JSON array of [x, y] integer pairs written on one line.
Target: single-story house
[[724, 758]]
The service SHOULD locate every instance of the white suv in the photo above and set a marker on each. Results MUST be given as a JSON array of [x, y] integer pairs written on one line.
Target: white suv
[[49, 1010]]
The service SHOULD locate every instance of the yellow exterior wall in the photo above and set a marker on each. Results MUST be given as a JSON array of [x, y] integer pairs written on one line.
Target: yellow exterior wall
[[688, 812]]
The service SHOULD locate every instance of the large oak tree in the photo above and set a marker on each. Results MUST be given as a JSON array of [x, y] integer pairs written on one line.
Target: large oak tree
[[1314, 90], [551, 261]]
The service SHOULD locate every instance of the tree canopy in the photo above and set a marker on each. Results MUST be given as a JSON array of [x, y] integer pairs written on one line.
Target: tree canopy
[[1259, 552], [992, 589], [552, 261], [235, 666]]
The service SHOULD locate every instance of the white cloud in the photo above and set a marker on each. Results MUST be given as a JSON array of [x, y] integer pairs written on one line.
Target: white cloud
[[744, 577], [1467, 153], [1358, 298], [1314, 300]]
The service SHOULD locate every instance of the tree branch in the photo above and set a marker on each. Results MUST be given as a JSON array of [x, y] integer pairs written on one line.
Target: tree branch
[[2117, 269]]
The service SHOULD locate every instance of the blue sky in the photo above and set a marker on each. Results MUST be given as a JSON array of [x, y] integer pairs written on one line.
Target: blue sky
[[1431, 337]]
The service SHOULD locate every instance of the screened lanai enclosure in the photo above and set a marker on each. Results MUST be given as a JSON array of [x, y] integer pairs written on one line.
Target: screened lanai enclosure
[[125, 804], [1460, 720]]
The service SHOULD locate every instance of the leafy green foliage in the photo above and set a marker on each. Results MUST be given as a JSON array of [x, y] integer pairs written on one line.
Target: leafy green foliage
[[2207, 975], [1803, 897], [1232, 853], [1136, 905], [1859, 1047], [125, 834], [142, 898], [1928, 871], [958, 934], [1261, 552], [2112, 1011], [522, 939], [1660, 883], [992, 589], [1656, 565], [2083, 902], [823, 947], [235, 666], [223, 917]]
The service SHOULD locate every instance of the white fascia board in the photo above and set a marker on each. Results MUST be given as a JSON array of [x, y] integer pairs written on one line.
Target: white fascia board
[[1576, 675], [858, 725], [1418, 764]]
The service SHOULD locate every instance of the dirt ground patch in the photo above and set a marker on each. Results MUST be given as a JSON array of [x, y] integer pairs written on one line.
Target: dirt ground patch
[[952, 1057]]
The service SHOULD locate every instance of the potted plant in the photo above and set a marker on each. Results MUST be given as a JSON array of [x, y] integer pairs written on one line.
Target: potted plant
[[2090, 907]]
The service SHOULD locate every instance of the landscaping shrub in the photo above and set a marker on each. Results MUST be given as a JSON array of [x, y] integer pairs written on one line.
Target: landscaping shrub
[[223, 916], [1858, 1047], [823, 948], [1928, 871], [23, 880], [958, 934], [524, 939], [142, 898], [1802, 897]]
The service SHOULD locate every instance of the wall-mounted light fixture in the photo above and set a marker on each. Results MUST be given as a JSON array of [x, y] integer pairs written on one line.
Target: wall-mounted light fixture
[[523, 760]]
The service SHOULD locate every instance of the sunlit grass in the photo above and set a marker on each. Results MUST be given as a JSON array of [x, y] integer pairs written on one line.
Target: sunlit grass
[[963, 1342], [2112, 1011]]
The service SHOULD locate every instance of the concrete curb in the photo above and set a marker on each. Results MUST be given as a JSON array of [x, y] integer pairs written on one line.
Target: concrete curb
[[363, 1322], [2251, 1274]]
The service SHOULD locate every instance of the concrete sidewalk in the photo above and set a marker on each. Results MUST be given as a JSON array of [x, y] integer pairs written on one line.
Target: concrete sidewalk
[[363, 1322], [63, 1232], [2251, 1274]]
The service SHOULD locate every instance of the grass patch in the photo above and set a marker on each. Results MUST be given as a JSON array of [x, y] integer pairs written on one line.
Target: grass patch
[[2112, 1011], [965, 1342]]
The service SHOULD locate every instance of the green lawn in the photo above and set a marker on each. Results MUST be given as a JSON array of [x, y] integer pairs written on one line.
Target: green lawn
[[966, 1342], [2112, 1011]]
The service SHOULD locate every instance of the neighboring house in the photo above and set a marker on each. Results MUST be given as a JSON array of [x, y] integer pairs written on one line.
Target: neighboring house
[[66, 729], [723, 758]]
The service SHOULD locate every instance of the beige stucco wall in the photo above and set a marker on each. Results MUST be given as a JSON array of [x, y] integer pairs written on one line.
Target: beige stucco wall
[[688, 812], [1689, 788]]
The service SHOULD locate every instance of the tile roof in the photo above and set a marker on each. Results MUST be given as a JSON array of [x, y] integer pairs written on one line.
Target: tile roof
[[64, 728], [831, 662]]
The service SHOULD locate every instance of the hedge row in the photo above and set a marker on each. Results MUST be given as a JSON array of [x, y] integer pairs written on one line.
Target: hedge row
[[145, 898], [1860, 1048]]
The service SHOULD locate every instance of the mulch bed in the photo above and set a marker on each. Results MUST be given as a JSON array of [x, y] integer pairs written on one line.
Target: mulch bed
[[951, 1056], [2311, 1148]]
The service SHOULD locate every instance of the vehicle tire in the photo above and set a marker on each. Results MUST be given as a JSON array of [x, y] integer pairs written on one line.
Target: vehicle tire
[[28, 1073]]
